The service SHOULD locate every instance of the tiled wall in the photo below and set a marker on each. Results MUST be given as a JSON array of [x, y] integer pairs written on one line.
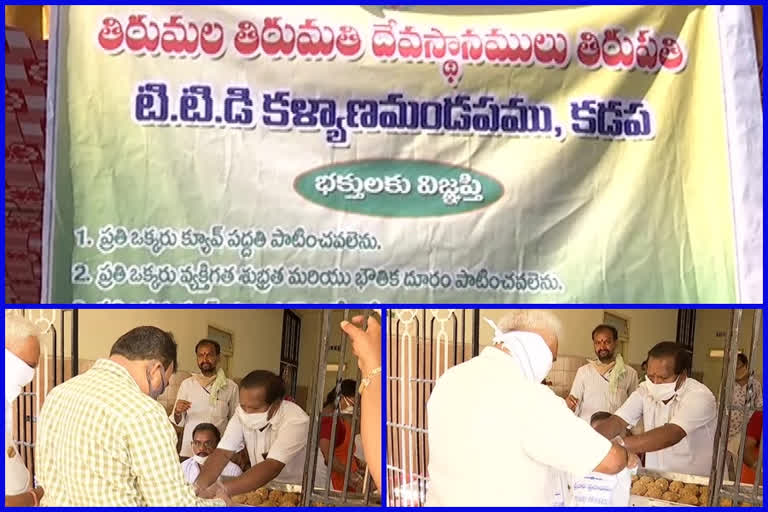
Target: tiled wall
[[563, 372]]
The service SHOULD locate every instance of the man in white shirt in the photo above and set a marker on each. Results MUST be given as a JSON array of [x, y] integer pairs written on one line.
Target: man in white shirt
[[207, 397], [22, 354], [510, 443], [273, 431], [205, 439], [679, 413], [605, 383]]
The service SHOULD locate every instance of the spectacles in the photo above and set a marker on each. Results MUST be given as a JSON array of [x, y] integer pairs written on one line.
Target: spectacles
[[206, 444]]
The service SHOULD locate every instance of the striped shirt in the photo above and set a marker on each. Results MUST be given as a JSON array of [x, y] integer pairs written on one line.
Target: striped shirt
[[103, 443]]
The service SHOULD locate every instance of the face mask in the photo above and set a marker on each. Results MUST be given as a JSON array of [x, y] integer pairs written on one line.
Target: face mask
[[200, 460], [156, 393], [348, 409], [17, 375], [253, 421], [662, 392]]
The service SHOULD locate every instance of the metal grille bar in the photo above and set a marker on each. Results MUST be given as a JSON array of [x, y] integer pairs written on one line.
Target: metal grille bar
[[421, 346]]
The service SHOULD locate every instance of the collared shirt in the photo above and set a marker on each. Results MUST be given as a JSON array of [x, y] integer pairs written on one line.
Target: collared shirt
[[103, 443], [191, 470], [202, 410], [693, 409], [283, 439], [594, 394], [498, 439]]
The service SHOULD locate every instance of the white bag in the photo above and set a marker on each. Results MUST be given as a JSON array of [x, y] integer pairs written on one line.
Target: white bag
[[599, 490]]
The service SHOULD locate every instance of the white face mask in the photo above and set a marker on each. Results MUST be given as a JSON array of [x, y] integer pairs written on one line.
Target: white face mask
[[17, 375], [200, 460], [253, 421], [661, 392], [348, 409]]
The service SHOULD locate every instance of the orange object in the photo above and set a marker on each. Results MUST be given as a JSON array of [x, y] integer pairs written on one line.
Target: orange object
[[341, 454]]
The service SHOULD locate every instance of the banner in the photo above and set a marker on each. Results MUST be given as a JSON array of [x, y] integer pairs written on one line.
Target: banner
[[422, 154]]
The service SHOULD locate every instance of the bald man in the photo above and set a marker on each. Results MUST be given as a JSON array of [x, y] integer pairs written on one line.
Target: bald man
[[22, 354]]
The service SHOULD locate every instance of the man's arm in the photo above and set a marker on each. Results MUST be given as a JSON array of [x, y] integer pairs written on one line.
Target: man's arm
[[155, 463], [180, 406], [367, 347], [626, 416], [256, 477], [612, 427], [577, 391], [655, 439], [25, 499], [213, 467], [558, 438]]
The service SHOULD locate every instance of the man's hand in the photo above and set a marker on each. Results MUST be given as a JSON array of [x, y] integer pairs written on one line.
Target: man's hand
[[181, 407], [633, 461], [366, 344], [220, 492], [572, 402]]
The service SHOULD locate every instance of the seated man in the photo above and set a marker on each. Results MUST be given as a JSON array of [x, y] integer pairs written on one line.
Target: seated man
[[205, 439]]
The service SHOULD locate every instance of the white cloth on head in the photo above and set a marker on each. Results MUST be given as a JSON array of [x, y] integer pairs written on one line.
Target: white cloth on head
[[514, 435], [529, 350], [691, 408], [191, 470], [202, 410]]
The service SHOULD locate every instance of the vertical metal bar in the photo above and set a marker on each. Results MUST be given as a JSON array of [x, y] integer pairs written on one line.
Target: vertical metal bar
[[726, 388], [55, 348], [390, 400], [335, 416], [463, 335], [318, 384], [418, 404], [455, 337], [356, 411], [746, 407], [475, 332], [348, 465], [75, 339]]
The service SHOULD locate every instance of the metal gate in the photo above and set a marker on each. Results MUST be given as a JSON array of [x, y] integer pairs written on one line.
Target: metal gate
[[734, 489], [344, 365], [57, 344], [421, 345]]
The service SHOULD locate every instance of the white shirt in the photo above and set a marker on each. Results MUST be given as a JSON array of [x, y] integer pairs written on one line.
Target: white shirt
[[692, 409], [16, 473], [592, 390], [202, 411], [191, 470], [498, 439], [284, 439]]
